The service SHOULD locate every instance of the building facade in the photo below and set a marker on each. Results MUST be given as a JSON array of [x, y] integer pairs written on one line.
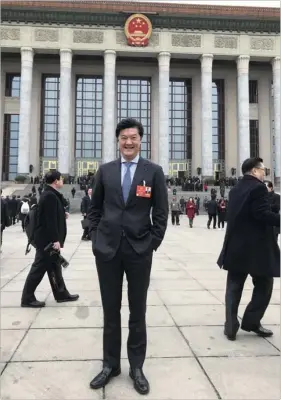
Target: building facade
[[206, 86]]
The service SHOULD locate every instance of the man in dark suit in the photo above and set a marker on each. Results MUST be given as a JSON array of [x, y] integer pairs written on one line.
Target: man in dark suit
[[85, 207], [274, 201], [249, 248], [5, 219], [51, 228], [125, 193]]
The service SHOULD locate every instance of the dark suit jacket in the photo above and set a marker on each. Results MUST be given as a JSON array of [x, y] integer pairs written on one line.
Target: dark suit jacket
[[250, 245], [110, 217], [51, 225]]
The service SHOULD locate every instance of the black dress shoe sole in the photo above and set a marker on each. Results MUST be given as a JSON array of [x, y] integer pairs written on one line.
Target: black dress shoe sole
[[112, 375], [136, 386], [257, 332], [230, 337], [65, 300], [32, 306]]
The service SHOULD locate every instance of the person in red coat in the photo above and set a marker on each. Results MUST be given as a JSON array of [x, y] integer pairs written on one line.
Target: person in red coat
[[190, 211]]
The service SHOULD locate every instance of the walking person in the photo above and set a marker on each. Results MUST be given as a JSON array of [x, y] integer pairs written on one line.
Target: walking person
[[50, 228], [128, 219], [175, 211], [85, 207], [212, 207], [221, 213], [5, 219], [190, 211], [274, 201], [249, 248]]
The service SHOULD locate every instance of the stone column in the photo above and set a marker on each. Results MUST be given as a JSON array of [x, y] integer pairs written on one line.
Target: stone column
[[109, 99], [164, 82], [25, 110], [155, 118], [276, 100], [243, 110], [64, 111], [2, 116], [206, 115], [264, 116]]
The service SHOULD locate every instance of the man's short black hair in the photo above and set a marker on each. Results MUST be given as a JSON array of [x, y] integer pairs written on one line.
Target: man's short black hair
[[250, 163], [129, 123], [269, 184], [52, 176]]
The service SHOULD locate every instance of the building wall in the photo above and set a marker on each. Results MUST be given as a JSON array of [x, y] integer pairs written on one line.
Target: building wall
[[181, 44]]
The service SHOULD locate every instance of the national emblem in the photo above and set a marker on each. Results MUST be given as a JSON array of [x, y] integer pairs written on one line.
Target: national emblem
[[138, 30]]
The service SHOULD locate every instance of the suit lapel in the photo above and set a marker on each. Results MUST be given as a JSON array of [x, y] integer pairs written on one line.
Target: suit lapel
[[117, 179], [139, 173]]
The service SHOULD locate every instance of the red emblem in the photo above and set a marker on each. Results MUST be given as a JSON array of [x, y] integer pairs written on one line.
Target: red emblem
[[138, 30]]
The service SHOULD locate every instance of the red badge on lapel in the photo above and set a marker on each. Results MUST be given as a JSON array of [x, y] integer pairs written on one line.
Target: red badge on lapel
[[143, 191]]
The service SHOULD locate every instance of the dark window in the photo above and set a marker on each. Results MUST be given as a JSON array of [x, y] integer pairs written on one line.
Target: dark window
[[254, 138], [253, 91], [10, 146], [50, 116], [89, 98], [133, 100], [218, 120], [180, 119], [12, 85]]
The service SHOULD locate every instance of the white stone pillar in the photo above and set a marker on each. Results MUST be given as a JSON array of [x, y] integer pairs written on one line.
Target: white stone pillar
[[25, 109], [109, 98], [206, 115], [276, 100], [243, 110], [64, 111], [164, 82]]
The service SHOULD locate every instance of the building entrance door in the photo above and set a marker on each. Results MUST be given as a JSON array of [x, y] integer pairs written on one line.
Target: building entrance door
[[84, 167], [48, 165]]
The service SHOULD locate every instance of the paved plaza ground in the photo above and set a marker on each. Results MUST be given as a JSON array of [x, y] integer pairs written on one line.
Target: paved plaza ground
[[53, 353]]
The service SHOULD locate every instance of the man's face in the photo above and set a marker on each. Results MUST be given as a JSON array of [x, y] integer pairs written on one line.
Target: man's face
[[90, 192], [129, 143], [259, 172], [59, 183]]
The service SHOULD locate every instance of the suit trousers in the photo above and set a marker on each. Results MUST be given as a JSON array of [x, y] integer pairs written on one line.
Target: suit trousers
[[137, 269], [44, 263], [214, 218], [255, 310]]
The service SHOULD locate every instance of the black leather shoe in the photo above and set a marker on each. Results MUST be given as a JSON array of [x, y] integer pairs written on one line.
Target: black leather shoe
[[104, 377], [230, 336], [140, 382], [34, 304], [261, 331], [70, 297]]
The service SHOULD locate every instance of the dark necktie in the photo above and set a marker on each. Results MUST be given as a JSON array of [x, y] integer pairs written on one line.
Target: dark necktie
[[126, 186]]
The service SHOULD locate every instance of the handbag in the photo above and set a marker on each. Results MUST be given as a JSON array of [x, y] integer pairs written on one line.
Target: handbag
[[85, 223]]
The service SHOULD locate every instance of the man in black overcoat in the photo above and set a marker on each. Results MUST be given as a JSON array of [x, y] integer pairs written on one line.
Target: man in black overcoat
[[274, 201], [249, 248], [50, 228], [128, 219]]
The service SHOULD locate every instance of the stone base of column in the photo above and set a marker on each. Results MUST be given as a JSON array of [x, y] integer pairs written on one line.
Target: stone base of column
[[65, 178], [277, 181], [209, 178]]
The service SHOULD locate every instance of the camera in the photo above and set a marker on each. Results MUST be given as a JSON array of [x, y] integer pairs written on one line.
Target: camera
[[52, 252]]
